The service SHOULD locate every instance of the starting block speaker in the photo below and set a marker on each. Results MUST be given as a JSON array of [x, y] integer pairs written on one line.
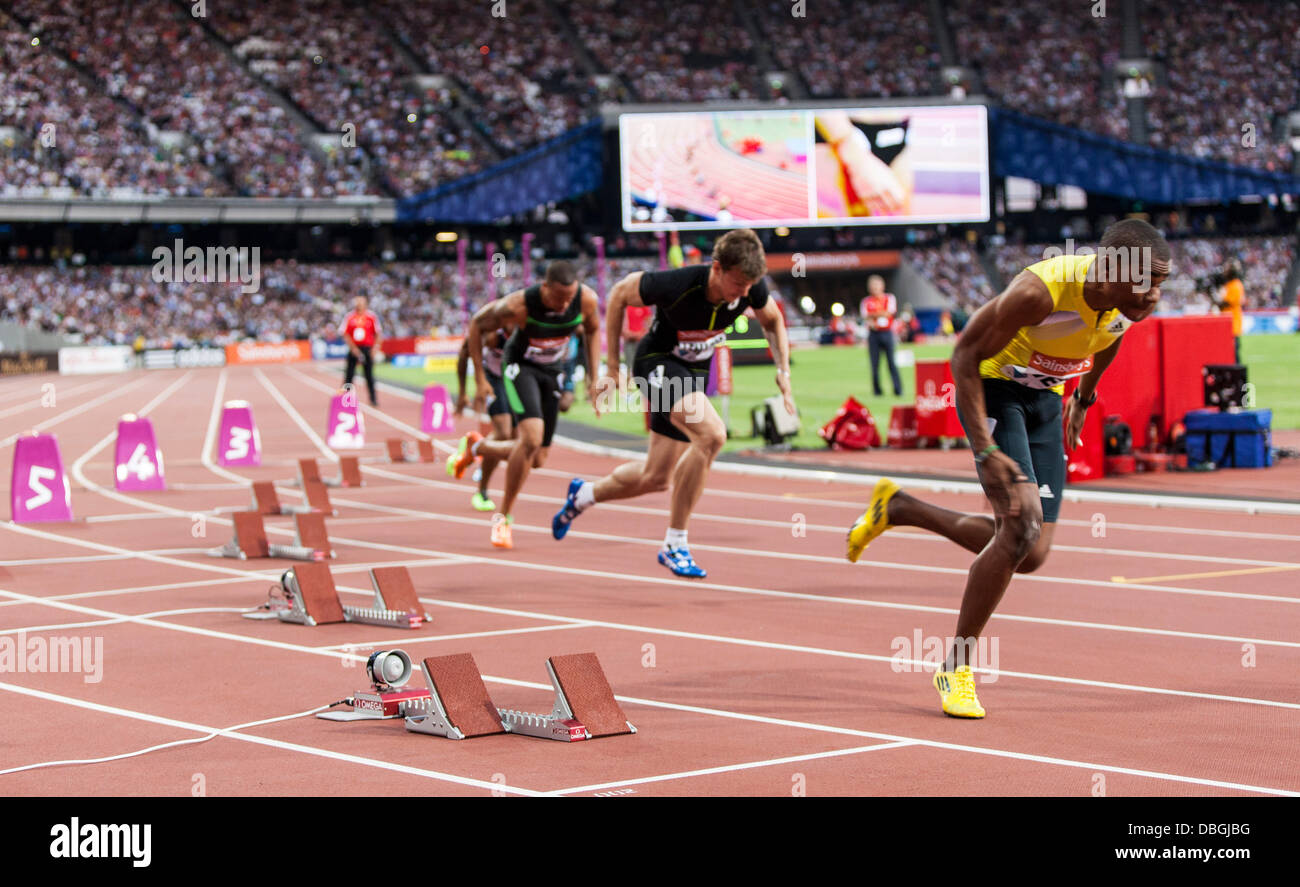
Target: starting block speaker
[[238, 442], [458, 706], [38, 487], [249, 540], [137, 463], [310, 597], [585, 707], [396, 603]]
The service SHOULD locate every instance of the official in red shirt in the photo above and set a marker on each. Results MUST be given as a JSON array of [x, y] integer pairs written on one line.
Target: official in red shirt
[[879, 309], [361, 332]]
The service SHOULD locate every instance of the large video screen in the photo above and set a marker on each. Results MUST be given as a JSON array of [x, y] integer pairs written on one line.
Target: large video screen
[[885, 165]]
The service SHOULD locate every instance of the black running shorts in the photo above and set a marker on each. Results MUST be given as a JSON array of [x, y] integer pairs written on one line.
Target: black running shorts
[[1027, 427]]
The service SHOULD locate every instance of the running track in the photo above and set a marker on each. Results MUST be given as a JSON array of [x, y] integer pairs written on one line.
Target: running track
[[773, 676]]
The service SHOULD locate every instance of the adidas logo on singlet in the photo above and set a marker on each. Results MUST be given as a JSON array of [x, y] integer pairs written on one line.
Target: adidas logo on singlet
[[1045, 492]]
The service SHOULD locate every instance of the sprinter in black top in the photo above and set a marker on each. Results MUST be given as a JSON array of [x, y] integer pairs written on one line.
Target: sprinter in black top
[[544, 317], [693, 308]]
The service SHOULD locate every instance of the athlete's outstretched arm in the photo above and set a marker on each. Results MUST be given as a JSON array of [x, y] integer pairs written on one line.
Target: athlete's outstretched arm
[[1074, 411], [626, 292], [1026, 302], [508, 311], [591, 333], [773, 323]]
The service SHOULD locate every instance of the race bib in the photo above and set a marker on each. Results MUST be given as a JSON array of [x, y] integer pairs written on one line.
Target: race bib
[[1045, 371], [358, 334], [551, 350], [697, 345]]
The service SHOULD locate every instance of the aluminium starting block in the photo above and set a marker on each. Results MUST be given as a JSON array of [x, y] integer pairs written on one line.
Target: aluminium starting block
[[585, 707], [310, 597], [399, 451], [267, 501], [349, 473], [459, 707], [396, 603], [249, 538]]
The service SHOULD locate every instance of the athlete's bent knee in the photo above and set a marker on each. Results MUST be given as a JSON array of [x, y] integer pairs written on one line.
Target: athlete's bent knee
[[1020, 534]]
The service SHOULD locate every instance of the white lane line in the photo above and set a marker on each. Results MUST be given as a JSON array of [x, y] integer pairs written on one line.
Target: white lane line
[[75, 411], [763, 719], [732, 768], [62, 626], [909, 533], [36, 403], [91, 558], [1071, 494], [796, 648], [270, 743], [409, 640], [953, 746]]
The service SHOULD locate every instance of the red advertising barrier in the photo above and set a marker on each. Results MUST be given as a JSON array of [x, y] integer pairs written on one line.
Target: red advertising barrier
[[936, 400], [1157, 372], [1088, 461], [401, 345], [268, 352]]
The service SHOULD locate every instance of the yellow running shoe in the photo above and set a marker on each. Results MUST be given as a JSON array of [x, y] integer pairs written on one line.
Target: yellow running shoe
[[873, 522], [501, 531], [957, 692]]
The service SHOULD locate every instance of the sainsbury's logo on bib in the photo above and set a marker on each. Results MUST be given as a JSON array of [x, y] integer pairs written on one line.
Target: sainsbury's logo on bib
[[698, 345], [1046, 371]]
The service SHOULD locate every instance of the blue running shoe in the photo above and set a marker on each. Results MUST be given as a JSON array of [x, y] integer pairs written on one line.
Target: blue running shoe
[[564, 517], [679, 560]]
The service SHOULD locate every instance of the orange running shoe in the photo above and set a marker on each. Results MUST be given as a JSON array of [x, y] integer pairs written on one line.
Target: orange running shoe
[[459, 461], [501, 531]]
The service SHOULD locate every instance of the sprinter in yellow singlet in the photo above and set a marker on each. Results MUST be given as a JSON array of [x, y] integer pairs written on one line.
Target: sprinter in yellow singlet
[[1059, 319]]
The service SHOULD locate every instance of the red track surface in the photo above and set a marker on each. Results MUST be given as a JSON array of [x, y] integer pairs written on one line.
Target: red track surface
[[772, 676]]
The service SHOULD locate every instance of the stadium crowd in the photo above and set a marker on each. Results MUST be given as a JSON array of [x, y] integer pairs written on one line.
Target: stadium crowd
[[259, 109]]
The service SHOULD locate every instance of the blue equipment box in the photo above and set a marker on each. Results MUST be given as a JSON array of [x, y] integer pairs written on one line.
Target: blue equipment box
[[1240, 439]]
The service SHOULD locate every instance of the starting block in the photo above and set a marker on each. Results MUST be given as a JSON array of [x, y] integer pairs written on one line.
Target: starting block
[[249, 540], [459, 707], [308, 470], [349, 473], [585, 707], [137, 463], [398, 451], [38, 486], [318, 497], [309, 536], [310, 597], [311, 543], [267, 501], [396, 603]]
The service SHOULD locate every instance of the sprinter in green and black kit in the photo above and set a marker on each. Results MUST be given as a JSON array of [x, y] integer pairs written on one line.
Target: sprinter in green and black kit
[[544, 317]]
